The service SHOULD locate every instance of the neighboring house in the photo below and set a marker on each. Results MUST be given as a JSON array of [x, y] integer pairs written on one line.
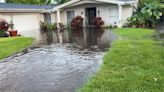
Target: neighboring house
[[27, 17]]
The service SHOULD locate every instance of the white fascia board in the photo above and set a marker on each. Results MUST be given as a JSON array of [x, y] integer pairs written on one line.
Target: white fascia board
[[83, 2], [131, 2], [21, 10], [104, 1], [111, 1], [65, 4], [117, 2]]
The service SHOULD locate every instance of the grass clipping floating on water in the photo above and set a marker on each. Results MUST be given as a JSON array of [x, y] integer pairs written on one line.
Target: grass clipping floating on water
[[135, 63]]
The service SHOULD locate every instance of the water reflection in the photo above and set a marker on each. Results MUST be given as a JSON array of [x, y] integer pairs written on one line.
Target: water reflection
[[87, 38], [43, 69]]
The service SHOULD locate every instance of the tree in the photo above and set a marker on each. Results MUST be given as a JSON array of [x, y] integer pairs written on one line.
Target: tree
[[147, 15], [151, 12], [142, 2]]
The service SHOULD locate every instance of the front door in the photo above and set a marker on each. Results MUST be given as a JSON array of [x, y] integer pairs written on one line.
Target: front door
[[91, 15]]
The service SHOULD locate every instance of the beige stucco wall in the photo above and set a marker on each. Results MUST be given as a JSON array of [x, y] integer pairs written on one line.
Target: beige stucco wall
[[127, 12], [63, 17], [53, 17]]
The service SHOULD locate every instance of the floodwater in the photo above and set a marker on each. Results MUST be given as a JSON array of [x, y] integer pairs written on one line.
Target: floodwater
[[61, 62], [89, 38]]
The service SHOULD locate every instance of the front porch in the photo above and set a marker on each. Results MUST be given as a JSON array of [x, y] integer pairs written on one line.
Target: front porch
[[110, 12]]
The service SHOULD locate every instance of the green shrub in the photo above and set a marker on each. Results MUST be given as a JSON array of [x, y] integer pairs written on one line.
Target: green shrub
[[3, 33], [44, 26], [146, 16]]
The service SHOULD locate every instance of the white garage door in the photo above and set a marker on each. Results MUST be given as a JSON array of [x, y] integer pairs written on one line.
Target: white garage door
[[27, 25], [23, 22]]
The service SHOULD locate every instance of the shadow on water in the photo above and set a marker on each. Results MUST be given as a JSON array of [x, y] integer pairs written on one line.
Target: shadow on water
[[87, 38]]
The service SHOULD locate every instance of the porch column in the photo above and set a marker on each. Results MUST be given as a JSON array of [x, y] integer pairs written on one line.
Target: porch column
[[52, 17], [120, 16], [58, 18], [42, 17]]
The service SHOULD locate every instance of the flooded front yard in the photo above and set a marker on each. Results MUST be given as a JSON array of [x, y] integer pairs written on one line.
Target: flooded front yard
[[62, 62]]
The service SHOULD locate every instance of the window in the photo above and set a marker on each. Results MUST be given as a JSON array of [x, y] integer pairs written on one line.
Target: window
[[70, 16], [47, 18]]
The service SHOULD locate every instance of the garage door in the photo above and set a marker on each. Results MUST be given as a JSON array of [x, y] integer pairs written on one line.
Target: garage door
[[27, 25], [23, 22]]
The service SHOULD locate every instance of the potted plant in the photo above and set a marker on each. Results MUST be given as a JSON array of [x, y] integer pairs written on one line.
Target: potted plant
[[12, 31], [77, 23]]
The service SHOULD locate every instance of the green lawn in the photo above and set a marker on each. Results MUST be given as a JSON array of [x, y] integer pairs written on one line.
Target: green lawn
[[135, 63], [8, 46]]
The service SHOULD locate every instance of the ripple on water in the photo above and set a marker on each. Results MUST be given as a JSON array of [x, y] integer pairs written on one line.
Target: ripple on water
[[53, 68]]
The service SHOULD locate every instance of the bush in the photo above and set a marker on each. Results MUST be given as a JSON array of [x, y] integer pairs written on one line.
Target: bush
[[98, 22], [62, 26], [77, 23], [147, 16], [2, 33], [136, 21], [47, 27], [142, 2], [108, 26], [4, 26]]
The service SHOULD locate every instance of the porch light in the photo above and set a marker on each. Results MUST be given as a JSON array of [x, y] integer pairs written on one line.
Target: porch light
[[98, 12], [82, 13]]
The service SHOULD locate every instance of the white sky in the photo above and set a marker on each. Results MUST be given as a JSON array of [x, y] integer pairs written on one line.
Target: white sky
[[2, 1]]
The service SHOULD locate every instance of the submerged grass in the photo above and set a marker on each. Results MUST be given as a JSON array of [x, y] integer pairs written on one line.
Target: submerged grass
[[8, 46], [135, 63]]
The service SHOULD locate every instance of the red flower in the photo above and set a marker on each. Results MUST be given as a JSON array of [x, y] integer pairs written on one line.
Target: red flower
[[77, 23], [3, 25], [98, 22]]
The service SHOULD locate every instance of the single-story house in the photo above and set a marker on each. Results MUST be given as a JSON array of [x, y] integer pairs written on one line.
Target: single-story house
[[111, 11], [26, 18]]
